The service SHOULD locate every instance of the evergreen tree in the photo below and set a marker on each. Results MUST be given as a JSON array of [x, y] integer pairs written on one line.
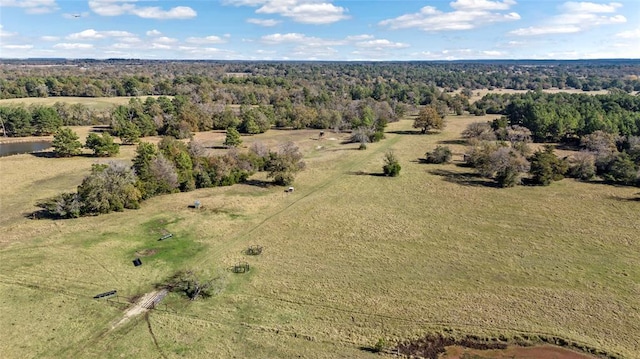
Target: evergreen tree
[[547, 167], [233, 137], [45, 120], [65, 143], [102, 146], [391, 164]]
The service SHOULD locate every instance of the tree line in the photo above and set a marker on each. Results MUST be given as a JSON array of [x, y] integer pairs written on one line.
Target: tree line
[[169, 167], [502, 152], [566, 117], [402, 82]]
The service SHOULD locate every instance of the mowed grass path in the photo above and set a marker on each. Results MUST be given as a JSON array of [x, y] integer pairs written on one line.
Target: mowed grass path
[[350, 257]]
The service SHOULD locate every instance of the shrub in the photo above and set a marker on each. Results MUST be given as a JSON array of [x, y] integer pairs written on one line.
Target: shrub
[[392, 166], [102, 146], [441, 154], [583, 166], [480, 131]]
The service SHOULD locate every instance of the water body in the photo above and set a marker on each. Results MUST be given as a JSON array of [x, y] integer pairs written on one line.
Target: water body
[[8, 149]]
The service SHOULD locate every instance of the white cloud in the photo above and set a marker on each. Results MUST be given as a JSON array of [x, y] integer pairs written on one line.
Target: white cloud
[[590, 7], [264, 22], [296, 38], [468, 14], [130, 39], [283, 38], [303, 11], [493, 53], [158, 46], [50, 38], [482, 5], [359, 37], [5, 33], [73, 46], [575, 17], [91, 34], [381, 44], [165, 40], [206, 40], [127, 7], [313, 53], [17, 47], [153, 32], [545, 30], [629, 34], [178, 12], [32, 6]]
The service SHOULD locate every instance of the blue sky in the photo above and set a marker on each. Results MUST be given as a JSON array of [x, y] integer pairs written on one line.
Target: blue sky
[[320, 29]]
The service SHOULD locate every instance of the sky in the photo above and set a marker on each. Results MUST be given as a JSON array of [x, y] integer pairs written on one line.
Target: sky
[[351, 30]]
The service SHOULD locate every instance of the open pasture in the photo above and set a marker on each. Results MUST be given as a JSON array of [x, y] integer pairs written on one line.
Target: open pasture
[[350, 257], [97, 103]]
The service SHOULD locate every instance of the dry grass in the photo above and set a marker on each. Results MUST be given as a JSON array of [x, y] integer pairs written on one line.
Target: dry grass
[[349, 258], [98, 103], [478, 94]]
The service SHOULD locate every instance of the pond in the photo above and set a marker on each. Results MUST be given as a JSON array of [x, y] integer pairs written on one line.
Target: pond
[[8, 149]]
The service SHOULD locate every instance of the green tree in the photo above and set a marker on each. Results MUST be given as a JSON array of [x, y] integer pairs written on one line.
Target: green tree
[[109, 188], [178, 154], [622, 170], [284, 164], [233, 137], [66, 143], [391, 165], [102, 146], [17, 121], [547, 167], [428, 119], [153, 175], [45, 120]]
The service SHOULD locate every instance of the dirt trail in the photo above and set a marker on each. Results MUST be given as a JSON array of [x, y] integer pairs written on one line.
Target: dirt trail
[[146, 302]]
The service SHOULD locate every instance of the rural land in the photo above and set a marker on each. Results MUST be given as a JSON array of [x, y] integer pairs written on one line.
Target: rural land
[[228, 209]]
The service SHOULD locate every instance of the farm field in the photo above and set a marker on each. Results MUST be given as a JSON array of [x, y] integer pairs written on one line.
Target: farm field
[[350, 257]]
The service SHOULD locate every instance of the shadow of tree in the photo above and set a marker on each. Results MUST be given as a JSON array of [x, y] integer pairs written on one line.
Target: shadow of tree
[[52, 154], [364, 173], [410, 132], [465, 179], [259, 183], [453, 142]]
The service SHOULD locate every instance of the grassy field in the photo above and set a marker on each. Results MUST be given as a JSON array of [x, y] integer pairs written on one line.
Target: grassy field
[[98, 103], [350, 257]]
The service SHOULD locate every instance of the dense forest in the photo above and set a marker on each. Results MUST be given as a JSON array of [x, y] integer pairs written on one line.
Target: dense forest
[[398, 81], [254, 96]]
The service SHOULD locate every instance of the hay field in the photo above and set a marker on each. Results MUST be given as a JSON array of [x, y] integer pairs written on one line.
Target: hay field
[[350, 257]]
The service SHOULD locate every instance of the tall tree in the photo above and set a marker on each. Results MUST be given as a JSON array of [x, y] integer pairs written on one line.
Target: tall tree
[[109, 188], [45, 120], [66, 143], [428, 119], [233, 137], [284, 164]]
